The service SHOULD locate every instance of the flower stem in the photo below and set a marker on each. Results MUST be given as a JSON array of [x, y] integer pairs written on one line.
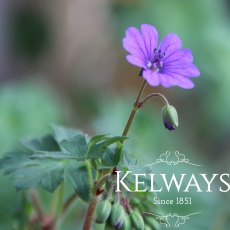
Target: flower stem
[[154, 95], [90, 213], [37, 205], [110, 192], [60, 201], [93, 201], [101, 182], [88, 166], [134, 110]]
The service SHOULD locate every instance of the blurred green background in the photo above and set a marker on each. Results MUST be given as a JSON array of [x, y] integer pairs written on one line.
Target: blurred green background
[[63, 62]]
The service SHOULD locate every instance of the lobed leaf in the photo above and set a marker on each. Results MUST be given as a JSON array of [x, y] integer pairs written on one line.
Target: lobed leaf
[[61, 133], [46, 143], [27, 173], [95, 139], [76, 145], [43, 163], [14, 161], [97, 150], [45, 169], [80, 181], [53, 155]]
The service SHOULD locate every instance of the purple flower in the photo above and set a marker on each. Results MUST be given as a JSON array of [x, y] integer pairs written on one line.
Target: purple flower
[[165, 64]]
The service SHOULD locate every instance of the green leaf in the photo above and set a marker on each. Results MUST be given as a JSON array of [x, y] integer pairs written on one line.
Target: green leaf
[[46, 143], [48, 174], [76, 145], [45, 165], [53, 176], [112, 140], [80, 180], [62, 133], [53, 155], [108, 158], [119, 153], [27, 173], [14, 161], [97, 151], [98, 138]]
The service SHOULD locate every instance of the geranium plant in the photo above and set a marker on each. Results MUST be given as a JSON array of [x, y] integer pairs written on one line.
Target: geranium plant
[[91, 163]]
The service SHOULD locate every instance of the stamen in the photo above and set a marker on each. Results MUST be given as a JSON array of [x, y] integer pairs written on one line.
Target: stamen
[[156, 64], [149, 64], [160, 64]]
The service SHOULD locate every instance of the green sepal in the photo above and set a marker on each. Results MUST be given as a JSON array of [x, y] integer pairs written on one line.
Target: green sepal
[[117, 215], [137, 220], [127, 223], [103, 211], [152, 222]]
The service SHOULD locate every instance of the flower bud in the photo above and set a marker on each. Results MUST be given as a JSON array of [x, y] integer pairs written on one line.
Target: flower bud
[[148, 228], [170, 117], [152, 222], [117, 216], [137, 220], [134, 201], [127, 223], [102, 211]]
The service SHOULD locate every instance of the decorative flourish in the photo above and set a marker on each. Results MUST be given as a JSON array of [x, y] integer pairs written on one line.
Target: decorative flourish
[[165, 64], [180, 158], [166, 219]]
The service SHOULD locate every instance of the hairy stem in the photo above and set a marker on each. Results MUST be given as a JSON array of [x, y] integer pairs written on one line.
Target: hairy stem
[[134, 110], [89, 170], [36, 204], [101, 182], [93, 201], [90, 213], [60, 202], [154, 95]]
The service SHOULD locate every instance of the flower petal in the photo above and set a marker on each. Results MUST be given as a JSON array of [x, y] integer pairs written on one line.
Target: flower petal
[[134, 43], [181, 68], [176, 80], [170, 43], [179, 55], [165, 80], [150, 36], [151, 77], [136, 61]]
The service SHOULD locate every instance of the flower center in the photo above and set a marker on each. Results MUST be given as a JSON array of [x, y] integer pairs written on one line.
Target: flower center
[[157, 62]]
